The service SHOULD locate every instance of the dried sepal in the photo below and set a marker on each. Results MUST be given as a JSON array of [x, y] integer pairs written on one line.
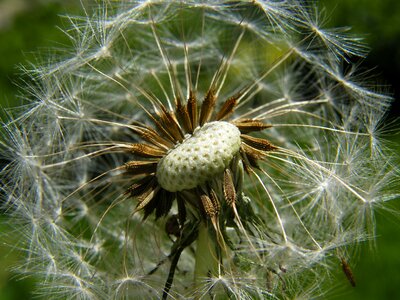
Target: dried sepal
[[181, 209], [164, 200], [139, 187]]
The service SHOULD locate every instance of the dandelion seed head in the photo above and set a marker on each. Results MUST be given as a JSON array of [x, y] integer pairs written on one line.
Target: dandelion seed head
[[201, 156]]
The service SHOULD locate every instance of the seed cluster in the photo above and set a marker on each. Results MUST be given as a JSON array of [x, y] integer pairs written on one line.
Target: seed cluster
[[189, 147], [200, 157]]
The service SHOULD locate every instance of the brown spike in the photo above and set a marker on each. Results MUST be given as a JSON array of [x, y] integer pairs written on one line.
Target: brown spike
[[249, 164], [144, 190], [208, 206], [227, 108], [140, 186], [192, 110], [183, 115], [250, 125], [215, 201], [207, 107], [258, 143], [170, 124], [141, 167], [250, 157], [229, 188], [150, 135], [348, 272], [144, 150], [161, 127], [147, 196], [178, 101], [257, 154]]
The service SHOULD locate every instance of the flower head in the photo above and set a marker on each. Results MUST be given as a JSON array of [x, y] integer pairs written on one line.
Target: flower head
[[192, 149]]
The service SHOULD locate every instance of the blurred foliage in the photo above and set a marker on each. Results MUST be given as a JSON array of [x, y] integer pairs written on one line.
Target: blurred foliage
[[11, 288], [379, 23], [377, 272], [26, 30]]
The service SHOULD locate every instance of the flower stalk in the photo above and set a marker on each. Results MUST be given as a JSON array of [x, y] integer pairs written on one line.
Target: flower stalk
[[207, 257]]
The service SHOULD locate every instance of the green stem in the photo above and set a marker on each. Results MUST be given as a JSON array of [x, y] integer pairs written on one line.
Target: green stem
[[206, 255]]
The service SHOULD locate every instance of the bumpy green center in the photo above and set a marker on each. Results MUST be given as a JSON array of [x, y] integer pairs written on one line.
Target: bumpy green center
[[200, 157]]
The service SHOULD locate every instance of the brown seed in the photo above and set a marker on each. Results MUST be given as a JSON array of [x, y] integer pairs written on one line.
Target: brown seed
[[144, 150], [159, 121], [348, 272], [150, 135], [192, 109], [170, 124], [252, 152], [227, 108], [147, 196], [208, 206], [141, 167], [215, 201], [250, 157], [250, 125], [257, 143], [207, 107], [140, 186], [183, 116], [229, 188]]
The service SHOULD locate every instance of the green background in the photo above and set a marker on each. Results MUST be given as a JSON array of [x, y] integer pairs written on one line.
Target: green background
[[27, 26]]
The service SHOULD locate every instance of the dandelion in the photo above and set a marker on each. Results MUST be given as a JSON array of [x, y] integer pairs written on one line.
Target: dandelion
[[200, 150]]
